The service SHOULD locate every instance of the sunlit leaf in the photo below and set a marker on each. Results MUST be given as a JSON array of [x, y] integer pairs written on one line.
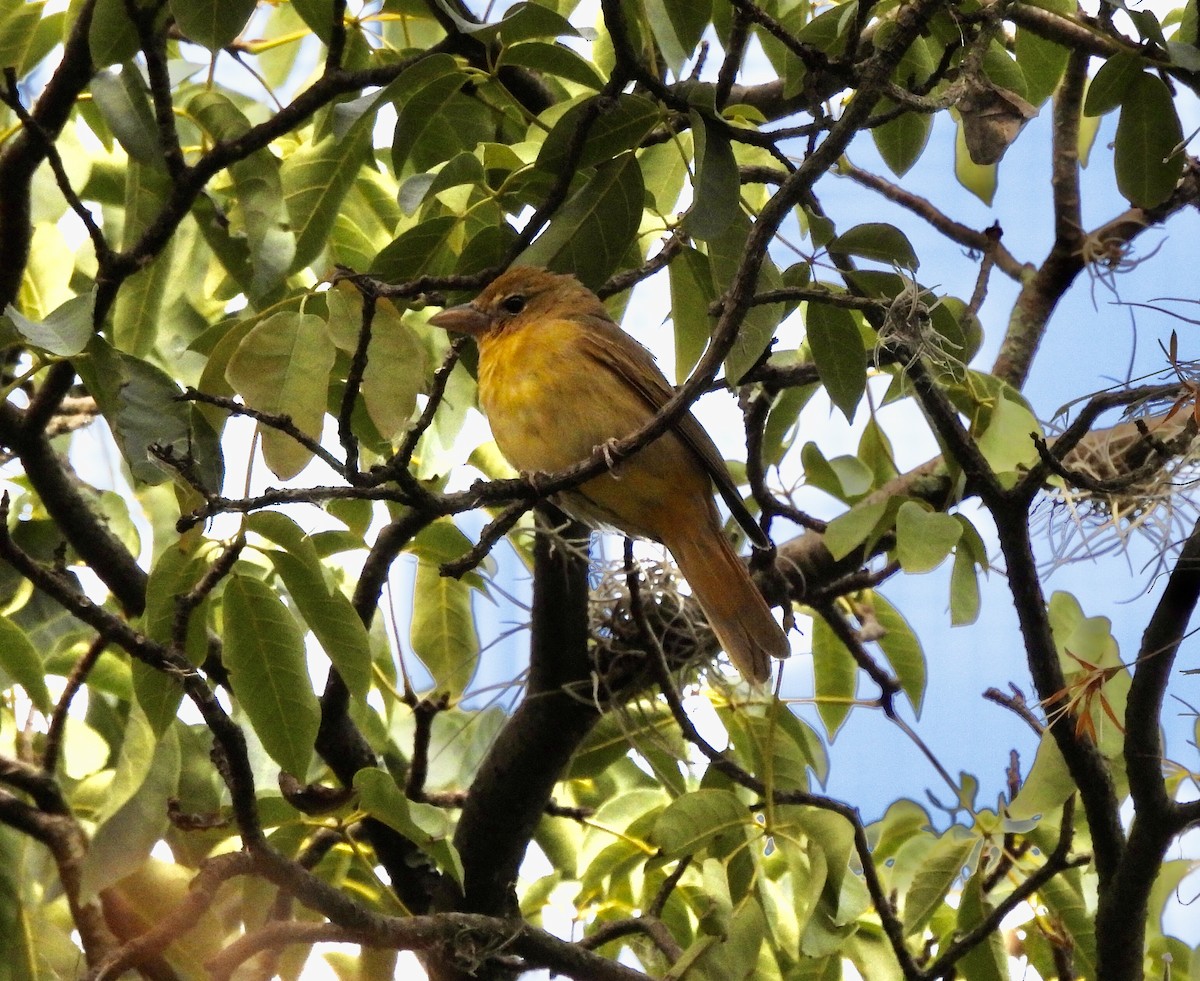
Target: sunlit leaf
[[264, 652], [979, 179], [328, 614], [940, 869], [692, 822], [428, 827], [316, 179], [18, 27], [19, 661], [835, 675], [924, 538], [65, 331], [277, 368], [129, 830], [443, 629]]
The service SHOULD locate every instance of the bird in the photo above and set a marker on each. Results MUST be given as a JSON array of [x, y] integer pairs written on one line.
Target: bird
[[558, 378]]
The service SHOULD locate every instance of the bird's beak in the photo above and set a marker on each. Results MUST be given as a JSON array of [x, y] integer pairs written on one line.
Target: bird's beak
[[462, 319]]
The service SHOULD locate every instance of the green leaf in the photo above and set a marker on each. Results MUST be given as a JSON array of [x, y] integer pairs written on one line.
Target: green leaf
[[717, 918], [1042, 61], [979, 179], [65, 332], [158, 695], [1007, 442], [841, 359], [175, 573], [964, 589], [903, 650], [112, 36], [125, 106], [18, 27], [396, 372], [696, 820], [594, 229], [524, 20], [923, 537], [17, 931], [782, 426], [835, 676], [678, 26], [986, 961], [282, 367], [620, 126], [665, 168], [1148, 26], [717, 191], [212, 23], [1147, 154], [422, 136], [849, 530], [554, 59], [1067, 899], [141, 405], [725, 252], [135, 815], [691, 293], [316, 179], [426, 826], [46, 283], [903, 821], [443, 629], [1112, 83], [878, 241], [398, 358], [264, 652], [421, 250], [19, 661], [902, 140], [940, 869], [844, 477], [258, 189], [138, 310], [329, 615], [779, 747]]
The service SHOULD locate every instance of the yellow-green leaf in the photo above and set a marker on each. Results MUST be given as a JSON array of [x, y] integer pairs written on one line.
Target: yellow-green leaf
[[282, 367], [264, 652]]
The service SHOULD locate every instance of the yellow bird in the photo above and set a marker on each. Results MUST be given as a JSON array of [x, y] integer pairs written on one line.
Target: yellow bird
[[558, 378]]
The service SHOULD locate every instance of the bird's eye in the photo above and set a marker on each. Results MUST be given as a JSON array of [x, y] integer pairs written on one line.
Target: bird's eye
[[514, 303]]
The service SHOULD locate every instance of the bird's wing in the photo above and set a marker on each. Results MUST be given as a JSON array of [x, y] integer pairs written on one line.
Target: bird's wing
[[609, 345]]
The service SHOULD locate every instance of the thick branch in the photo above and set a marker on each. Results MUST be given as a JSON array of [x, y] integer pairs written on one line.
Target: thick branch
[[513, 784], [1087, 766]]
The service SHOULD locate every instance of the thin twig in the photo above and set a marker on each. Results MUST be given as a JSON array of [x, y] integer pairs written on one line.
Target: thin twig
[[75, 681]]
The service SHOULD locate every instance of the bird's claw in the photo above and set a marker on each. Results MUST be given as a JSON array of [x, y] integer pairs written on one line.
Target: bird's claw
[[605, 449], [535, 479]]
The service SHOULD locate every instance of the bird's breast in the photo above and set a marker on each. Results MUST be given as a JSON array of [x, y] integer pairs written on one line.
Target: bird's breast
[[549, 404]]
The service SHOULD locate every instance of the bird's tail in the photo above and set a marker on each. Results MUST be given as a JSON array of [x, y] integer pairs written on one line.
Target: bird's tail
[[736, 610]]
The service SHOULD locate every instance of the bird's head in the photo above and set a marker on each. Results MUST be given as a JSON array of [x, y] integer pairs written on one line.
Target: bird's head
[[521, 295]]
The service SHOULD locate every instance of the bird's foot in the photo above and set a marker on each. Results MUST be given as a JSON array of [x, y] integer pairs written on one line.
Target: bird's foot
[[605, 449], [535, 479]]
